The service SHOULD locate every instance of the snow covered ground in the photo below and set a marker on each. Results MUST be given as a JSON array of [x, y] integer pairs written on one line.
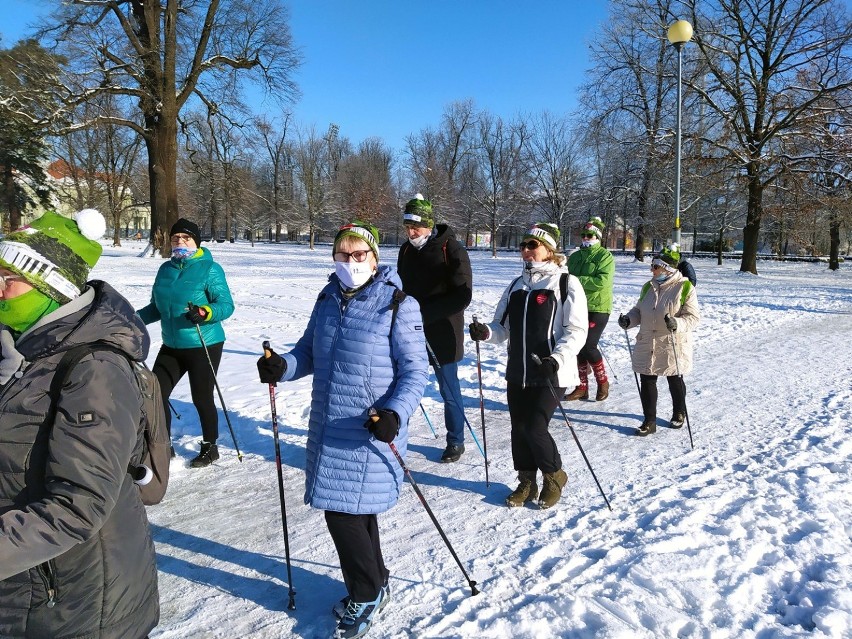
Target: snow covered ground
[[747, 535]]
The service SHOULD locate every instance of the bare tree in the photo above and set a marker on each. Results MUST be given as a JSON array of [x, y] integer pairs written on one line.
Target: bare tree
[[157, 54], [756, 54]]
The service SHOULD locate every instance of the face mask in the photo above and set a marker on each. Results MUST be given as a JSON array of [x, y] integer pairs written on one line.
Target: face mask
[[353, 274], [419, 242], [182, 252], [19, 313], [530, 266], [589, 242], [662, 277]]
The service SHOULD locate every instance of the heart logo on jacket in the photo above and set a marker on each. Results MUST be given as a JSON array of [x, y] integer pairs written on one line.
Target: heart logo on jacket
[[541, 298]]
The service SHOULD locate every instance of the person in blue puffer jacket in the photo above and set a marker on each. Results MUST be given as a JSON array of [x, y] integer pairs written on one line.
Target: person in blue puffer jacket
[[365, 347], [191, 296]]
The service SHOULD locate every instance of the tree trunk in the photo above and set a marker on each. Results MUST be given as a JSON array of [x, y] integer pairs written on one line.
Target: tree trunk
[[642, 203], [162, 173], [11, 199], [834, 246], [751, 232]]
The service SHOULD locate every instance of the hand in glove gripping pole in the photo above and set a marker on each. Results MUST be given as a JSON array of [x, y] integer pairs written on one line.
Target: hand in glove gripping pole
[[271, 367], [624, 321], [196, 314], [479, 332], [671, 323], [383, 424]]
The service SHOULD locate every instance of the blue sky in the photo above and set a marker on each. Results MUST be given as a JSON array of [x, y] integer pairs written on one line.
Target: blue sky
[[387, 68]]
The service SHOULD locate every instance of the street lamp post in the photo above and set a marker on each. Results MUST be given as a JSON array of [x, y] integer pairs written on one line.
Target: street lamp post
[[678, 34]]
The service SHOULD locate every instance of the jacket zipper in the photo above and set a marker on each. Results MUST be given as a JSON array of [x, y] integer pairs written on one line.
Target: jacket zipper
[[48, 577]]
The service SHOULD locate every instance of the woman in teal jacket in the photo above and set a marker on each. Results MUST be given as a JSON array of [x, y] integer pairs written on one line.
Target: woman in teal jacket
[[190, 299]]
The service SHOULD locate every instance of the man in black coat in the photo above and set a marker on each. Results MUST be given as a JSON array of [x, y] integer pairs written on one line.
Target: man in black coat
[[435, 270]]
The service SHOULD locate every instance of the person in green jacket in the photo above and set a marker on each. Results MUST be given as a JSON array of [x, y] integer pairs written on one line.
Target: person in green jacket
[[191, 299], [594, 266]]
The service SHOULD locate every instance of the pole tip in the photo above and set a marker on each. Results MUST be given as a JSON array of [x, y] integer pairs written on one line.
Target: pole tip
[[473, 589]]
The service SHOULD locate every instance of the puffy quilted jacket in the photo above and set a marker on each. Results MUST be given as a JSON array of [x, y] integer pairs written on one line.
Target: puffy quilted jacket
[[199, 280], [76, 556], [358, 363], [594, 266], [654, 353]]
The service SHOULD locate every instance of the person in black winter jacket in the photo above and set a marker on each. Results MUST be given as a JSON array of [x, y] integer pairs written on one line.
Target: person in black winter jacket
[[76, 556], [435, 270]]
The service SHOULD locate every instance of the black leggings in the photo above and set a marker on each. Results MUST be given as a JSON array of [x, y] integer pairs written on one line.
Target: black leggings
[[356, 538], [172, 364], [648, 395], [530, 410], [590, 351]]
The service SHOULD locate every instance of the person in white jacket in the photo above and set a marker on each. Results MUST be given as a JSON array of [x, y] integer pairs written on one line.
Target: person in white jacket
[[543, 312]]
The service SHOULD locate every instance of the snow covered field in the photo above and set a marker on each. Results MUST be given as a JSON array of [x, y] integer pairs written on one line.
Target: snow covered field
[[748, 535]]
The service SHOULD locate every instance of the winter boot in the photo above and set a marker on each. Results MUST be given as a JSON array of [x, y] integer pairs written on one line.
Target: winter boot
[[581, 391], [452, 453], [209, 453], [527, 489], [601, 378], [551, 489], [648, 427], [339, 609], [677, 419]]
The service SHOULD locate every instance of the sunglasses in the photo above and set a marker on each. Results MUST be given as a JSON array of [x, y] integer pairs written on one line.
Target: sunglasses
[[530, 245], [343, 256], [6, 279]]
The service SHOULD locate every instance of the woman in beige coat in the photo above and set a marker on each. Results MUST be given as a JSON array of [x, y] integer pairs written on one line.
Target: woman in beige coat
[[666, 314]]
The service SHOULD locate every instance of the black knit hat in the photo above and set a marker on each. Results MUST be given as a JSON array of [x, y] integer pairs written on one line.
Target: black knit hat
[[190, 228]]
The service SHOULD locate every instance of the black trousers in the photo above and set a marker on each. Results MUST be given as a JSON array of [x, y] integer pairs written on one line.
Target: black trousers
[[356, 538], [530, 410], [648, 395], [590, 351], [173, 363]]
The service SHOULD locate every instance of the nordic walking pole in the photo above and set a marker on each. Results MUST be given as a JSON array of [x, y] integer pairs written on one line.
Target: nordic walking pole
[[537, 360], [630, 350], [472, 584], [218, 390], [481, 405], [171, 406], [685, 411], [611, 369], [292, 604], [459, 400], [428, 421]]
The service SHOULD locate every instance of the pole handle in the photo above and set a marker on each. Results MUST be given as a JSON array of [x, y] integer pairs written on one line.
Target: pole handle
[[535, 358], [267, 349]]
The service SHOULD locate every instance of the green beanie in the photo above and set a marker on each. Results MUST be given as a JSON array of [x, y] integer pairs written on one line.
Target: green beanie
[[363, 231], [670, 255], [418, 212], [54, 254], [547, 234]]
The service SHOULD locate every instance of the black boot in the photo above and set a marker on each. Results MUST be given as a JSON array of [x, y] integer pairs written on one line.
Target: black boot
[[648, 427], [209, 453]]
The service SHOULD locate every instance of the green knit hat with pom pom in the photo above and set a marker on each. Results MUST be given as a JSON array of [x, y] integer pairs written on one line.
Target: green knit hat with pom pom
[[54, 254]]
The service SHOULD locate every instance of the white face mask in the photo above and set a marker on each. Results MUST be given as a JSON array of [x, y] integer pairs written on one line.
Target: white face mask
[[590, 242], [419, 242], [662, 277], [531, 266], [353, 274]]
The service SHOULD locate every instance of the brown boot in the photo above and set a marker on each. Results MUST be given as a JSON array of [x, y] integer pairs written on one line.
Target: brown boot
[[582, 391], [527, 489], [551, 489], [603, 382]]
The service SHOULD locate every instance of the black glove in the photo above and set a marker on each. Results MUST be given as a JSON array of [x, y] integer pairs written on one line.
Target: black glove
[[671, 324], [383, 424], [271, 369], [624, 321], [478, 331], [196, 314], [548, 367]]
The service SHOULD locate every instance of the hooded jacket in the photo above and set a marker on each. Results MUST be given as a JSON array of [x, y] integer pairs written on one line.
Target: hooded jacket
[[439, 277], [76, 556], [594, 266], [358, 363], [532, 316], [654, 353], [199, 280]]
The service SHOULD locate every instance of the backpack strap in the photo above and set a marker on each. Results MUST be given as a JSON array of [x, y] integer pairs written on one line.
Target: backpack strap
[[563, 287], [506, 312], [684, 291]]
